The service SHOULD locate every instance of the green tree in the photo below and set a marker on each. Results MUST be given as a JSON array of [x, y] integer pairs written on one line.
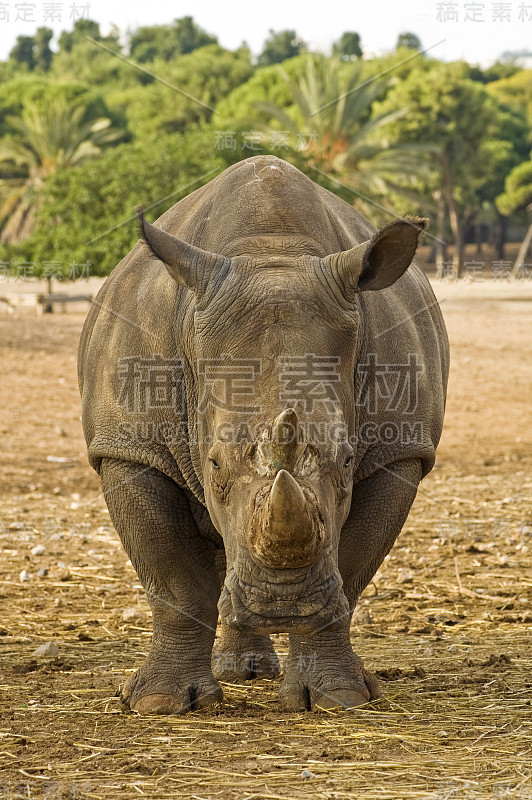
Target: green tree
[[517, 196], [167, 41], [34, 52], [396, 66], [190, 36], [408, 40], [515, 91], [41, 91], [471, 134], [495, 72], [41, 49], [22, 52], [87, 213], [97, 63], [82, 29], [40, 143], [8, 71], [280, 46], [239, 107], [335, 134], [348, 45], [194, 83]]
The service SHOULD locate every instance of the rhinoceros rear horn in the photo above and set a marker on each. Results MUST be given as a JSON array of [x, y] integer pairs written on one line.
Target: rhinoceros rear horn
[[189, 265], [380, 261], [285, 436]]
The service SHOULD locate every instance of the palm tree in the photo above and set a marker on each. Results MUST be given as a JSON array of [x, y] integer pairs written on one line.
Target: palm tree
[[40, 143], [332, 109]]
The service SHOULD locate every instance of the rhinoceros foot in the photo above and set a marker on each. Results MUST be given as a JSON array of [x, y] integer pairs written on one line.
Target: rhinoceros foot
[[243, 656], [316, 679], [148, 691]]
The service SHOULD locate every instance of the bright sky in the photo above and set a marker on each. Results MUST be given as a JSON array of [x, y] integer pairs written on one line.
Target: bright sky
[[498, 26]]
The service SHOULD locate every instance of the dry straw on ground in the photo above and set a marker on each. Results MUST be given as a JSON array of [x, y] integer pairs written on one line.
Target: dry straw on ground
[[446, 623]]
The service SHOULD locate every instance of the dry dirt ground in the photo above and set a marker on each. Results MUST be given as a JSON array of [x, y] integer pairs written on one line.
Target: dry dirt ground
[[446, 623]]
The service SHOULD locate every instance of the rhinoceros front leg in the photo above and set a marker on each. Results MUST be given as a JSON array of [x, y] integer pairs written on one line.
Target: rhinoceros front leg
[[176, 566], [322, 671], [236, 655]]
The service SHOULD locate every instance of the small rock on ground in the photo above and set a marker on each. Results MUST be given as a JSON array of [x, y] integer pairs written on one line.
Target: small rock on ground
[[133, 615], [48, 649]]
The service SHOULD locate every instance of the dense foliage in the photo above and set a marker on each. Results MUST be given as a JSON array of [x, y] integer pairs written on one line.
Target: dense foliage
[[99, 125]]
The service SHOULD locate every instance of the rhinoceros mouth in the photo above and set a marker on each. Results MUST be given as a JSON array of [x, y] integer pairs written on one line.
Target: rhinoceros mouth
[[262, 610]]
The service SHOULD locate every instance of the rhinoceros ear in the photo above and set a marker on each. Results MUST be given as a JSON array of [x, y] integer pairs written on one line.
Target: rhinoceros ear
[[379, 262], [188, 265]]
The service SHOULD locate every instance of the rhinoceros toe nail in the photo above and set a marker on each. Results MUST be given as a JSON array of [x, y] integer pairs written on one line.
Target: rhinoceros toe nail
[[159, 704], [342, 698]]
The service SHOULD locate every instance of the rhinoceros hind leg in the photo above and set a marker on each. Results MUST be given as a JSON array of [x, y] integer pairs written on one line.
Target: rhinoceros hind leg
[[244, 656]]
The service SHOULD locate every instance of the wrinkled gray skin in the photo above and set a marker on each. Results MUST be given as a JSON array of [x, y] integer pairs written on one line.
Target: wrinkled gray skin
[[279, 529]]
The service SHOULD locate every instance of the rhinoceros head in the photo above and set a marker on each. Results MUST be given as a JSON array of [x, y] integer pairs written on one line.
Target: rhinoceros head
[[276, 341]]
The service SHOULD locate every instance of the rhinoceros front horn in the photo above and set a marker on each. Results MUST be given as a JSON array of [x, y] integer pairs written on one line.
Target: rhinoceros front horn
[[188, 265], [380, 261], [287, 517], [287, 532]]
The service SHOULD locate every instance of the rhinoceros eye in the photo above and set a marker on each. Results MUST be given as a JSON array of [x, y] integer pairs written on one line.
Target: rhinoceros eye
[[214, 463], [348, 461]]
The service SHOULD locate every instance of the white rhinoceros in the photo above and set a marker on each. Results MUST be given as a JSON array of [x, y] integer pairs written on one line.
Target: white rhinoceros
[[263, 381]]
